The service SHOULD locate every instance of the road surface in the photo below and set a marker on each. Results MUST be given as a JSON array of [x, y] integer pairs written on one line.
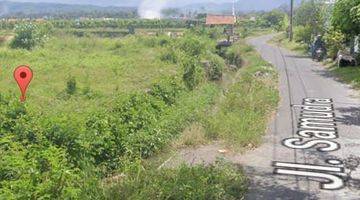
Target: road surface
[[312, 147]]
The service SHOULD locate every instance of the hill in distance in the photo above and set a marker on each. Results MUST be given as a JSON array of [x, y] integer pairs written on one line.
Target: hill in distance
[[60, 10], [28, 9], [240, 6]]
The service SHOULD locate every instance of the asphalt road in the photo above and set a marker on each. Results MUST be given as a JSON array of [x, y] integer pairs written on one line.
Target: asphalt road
[[322, 161]]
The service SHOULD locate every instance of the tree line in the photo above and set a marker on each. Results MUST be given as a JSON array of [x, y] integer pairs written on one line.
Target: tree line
[[105, 23], [338, 23]]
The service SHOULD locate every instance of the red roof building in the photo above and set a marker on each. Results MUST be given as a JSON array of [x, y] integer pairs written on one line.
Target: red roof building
[[220, 20]]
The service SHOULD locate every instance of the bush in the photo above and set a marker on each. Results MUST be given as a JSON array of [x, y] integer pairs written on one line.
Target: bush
[[161, 40], [71, 86], [303, 34], [169, 55], [191, 45], [64, 132], [193, 72], [103, 144], [28, 36], [67, 156], [131, 30], [167, 90], [275, 19], [233, 56], [129, 128], [219, 181], [31, 166], [240, 121], [33, 173], [215, 67], [345, 17], [214, 33], [334, 41]]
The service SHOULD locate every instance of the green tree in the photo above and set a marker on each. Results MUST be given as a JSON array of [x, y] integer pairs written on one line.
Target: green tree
[[29, 36], [310, 14], [334, 41], [303, 34], [346, 16], [275, 19]]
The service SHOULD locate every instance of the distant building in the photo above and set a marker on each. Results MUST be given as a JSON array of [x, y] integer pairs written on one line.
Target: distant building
[[213, 20]]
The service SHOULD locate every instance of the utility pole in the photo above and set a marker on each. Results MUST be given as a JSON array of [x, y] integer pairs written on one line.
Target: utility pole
[[234, 15], [233, 9], [291, 34]]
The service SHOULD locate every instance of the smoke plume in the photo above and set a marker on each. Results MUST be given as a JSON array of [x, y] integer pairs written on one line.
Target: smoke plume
[[151, 9]]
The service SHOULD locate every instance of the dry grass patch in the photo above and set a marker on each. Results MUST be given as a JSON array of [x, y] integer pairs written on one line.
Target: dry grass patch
[[192, 136]]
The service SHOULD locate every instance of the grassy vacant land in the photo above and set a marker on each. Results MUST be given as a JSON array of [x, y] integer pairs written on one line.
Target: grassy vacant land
[[101, 68], [238, 116], [99, 108]]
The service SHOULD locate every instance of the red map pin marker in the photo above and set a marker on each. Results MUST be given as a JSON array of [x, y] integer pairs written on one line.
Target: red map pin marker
[[23, 76]]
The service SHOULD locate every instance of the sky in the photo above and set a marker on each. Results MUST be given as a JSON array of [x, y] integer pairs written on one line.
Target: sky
[[120, 2], [123, 2]]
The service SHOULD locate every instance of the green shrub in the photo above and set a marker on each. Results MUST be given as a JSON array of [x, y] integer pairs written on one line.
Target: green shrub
[[149, 41], [131, 29], [233, 56], [65, 132], [31, 166], [66, 155], [191, 45], [129, 128], [240, 120], [169, 55], [303, 34], [216, 66], [161, 40], [71, 86], [32, 173], [104, 145], [214, 33], [167, 90], [89, 93], [334, 41], [28, 36], [219, 181], [193, 72]]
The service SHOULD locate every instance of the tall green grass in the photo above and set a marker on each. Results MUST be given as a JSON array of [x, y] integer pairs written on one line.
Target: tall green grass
[[219, 181], [349, 75], [103, 66], [243, 113], [95, 107], [283, 41]]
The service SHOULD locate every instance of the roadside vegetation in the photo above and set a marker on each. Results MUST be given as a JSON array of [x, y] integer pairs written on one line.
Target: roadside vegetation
[[248, 102], [106, 101], [99, 108], [219, 181], [339, 25], [283, 40], [349, 75], [256, 24]]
